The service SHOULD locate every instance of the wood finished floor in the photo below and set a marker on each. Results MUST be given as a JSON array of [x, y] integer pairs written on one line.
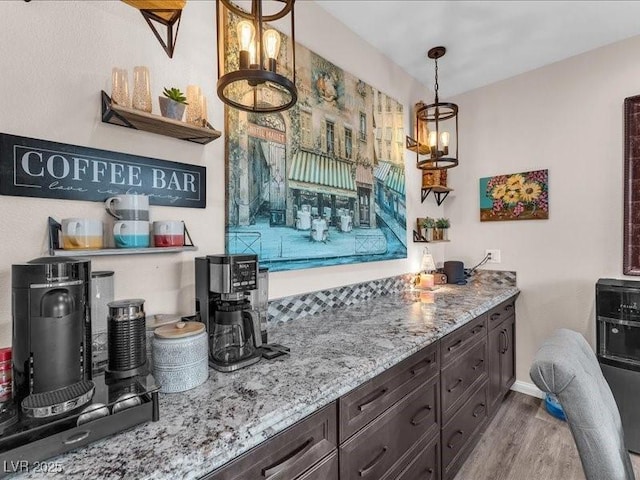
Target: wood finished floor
[[524, 442]]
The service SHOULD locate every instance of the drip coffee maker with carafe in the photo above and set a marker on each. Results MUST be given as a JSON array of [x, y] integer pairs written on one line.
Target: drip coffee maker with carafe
[[223, 285]]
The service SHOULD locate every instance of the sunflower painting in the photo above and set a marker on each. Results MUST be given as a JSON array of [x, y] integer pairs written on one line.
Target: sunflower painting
[[519, 196]]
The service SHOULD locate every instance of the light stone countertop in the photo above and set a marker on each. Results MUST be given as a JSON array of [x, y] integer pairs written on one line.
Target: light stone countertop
[[331, 353]]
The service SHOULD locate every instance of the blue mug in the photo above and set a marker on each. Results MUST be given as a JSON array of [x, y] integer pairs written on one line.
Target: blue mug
[[131, 234]]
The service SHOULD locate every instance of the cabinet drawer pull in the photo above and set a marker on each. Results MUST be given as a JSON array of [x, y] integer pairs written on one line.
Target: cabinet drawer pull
[[477, 329], [455, 385], [478, 365], [77, 437], [508, 307], [458, 432], [364, 471], [288, 459], [503, 334], [455, 345], [479, 409], [367, 403], [418, 419], [427, 363], [429, 470], [495, 316]]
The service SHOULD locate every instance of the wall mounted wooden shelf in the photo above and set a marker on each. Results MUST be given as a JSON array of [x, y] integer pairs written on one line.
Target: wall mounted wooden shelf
[[417, 238], [439, 192], [138, 120], [54, 231], [119, 251]]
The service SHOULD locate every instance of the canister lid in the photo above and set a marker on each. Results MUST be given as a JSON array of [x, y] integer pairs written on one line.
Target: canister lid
[[179, 330], [126, 309], [161, 319]]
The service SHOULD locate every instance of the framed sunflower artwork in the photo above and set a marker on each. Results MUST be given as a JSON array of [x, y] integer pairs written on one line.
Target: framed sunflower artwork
[[517, 196]]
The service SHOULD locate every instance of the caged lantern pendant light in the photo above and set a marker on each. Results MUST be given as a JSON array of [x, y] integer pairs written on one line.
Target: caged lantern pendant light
[[436, 126], [255, 81]]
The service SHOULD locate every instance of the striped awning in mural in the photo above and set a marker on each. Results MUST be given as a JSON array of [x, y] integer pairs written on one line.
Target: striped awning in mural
[[317, 173], [395, 180], [382, 170]]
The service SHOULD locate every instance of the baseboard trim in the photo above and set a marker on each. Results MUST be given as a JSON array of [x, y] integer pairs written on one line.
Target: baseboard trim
[[528, 389]]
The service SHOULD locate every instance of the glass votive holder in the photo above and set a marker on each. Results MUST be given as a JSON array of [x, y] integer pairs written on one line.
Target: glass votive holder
[[141, 89], [203, 110], [120, 87], [193, 113]]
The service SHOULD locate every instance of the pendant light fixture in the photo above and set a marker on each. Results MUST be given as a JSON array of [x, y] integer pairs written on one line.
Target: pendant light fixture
[[255, 81], [436, 126]]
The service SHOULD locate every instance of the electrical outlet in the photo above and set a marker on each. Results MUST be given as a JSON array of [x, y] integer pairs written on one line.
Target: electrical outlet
[[494, 255]]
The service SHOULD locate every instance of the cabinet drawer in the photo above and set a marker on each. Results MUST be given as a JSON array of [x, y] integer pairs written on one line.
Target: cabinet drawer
[[502, 311], [458, 435], [426, 465], [456, 342], [462, 377], [327, 469], [288, 454], [377, 448], [358, 407]]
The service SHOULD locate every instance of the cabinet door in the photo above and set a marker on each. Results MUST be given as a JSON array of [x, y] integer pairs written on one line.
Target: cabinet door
[[508, 360], [496, 342]]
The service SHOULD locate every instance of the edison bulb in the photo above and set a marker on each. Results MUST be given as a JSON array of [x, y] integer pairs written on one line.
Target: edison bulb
[[433, 139], [246, 32], [444, 139], [271, 40]]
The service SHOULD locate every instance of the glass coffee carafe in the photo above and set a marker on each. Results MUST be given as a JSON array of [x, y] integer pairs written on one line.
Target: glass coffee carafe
[[233, 342]]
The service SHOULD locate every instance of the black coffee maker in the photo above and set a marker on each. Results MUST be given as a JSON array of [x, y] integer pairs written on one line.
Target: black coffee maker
[[223, 285], [51, 336]]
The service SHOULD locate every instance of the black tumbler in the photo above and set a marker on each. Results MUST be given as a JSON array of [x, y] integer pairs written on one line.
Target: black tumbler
[[454, 270], [127, 338]]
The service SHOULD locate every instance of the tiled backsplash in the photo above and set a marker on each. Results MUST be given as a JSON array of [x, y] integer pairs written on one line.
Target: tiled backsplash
[[296, 306]]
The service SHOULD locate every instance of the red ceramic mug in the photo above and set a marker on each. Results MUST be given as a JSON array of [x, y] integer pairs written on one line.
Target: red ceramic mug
[[168, 233]]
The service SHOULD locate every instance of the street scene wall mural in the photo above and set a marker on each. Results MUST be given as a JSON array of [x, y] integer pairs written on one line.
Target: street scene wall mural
[[322, 183]]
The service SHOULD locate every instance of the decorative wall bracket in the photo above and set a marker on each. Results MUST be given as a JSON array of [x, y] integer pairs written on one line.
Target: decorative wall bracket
[[439, 192], [161, 15]]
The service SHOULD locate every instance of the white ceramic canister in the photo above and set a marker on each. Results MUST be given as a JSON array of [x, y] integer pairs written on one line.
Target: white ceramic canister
[[154, 321], [180, 356]]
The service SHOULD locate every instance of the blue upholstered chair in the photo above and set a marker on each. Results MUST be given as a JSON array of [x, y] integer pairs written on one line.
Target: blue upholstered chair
[[566, 366]]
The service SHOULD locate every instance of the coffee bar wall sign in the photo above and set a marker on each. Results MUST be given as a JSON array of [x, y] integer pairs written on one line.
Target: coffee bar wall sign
[[40, 168]]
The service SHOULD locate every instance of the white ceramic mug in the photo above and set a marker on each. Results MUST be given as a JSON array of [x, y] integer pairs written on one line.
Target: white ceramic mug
[[81, 233], [128, 207], [168, 233], [131, 234]]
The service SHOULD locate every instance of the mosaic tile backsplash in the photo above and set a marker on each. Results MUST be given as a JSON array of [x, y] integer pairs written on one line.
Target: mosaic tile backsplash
[[284, 309]]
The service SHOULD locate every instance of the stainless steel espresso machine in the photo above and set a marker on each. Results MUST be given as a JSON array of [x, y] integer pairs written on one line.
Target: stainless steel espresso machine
[[223, 286]]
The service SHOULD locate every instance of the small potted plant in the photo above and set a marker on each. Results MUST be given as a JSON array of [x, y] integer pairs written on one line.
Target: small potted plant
[[173, 103], [427, 226], [440, 231]]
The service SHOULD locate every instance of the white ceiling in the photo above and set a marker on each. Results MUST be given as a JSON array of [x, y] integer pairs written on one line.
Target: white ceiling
[[486, 41]]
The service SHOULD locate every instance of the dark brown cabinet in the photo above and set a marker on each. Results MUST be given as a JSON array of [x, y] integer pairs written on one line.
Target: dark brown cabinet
[[461, 433], [502, 358], [418, 420], [380, 449]]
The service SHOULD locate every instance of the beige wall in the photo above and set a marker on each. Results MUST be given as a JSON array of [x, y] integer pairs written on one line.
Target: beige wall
[[57, 56], [567, 117]]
